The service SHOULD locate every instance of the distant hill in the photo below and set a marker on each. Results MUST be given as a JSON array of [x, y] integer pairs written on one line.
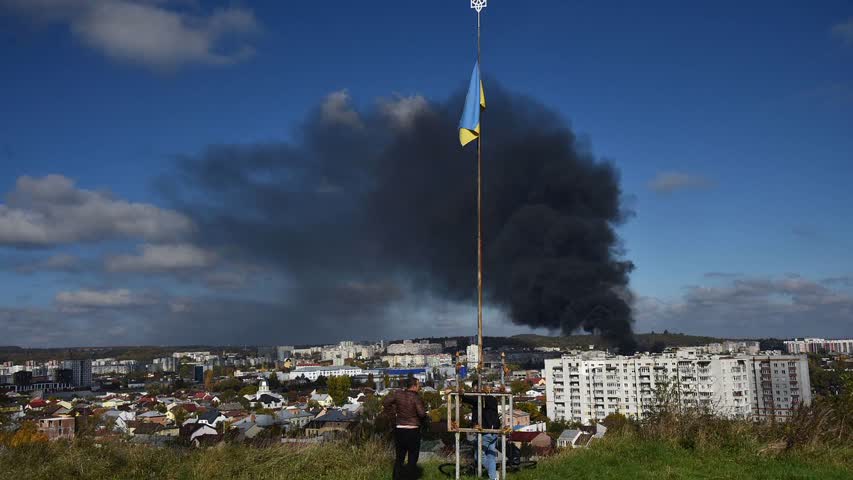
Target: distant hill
[[141, 353]]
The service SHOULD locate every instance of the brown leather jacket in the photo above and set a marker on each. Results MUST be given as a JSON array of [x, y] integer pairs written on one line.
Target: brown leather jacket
[[407, 405]]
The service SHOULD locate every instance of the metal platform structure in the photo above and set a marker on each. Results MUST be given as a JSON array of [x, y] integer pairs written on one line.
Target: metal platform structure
[[454, 417]]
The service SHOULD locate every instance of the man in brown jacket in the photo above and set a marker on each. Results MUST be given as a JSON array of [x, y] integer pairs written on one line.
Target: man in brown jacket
[[410, 412]]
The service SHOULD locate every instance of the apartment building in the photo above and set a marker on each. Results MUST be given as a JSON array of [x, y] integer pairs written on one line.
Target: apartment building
[[588, 386], [81, 372], [819, 345]]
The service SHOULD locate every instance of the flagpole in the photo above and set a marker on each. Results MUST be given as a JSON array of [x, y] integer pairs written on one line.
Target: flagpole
[[479, 225]]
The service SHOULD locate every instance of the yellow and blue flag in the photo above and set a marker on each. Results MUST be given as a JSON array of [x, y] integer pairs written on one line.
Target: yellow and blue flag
[[469, 124]]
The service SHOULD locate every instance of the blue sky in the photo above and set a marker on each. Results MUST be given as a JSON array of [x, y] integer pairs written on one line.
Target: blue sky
[[730, 123]]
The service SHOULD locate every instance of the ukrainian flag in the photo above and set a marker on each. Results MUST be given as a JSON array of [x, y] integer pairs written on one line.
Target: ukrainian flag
[[469, 124]]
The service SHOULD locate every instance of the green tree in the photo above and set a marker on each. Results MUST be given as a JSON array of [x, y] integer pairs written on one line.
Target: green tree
[[249, 390], [518, 387], [273, 382], [615, 422], [229, 383], [372, 407], [339, 389], [536, 414], [433, 400], [185, 371]]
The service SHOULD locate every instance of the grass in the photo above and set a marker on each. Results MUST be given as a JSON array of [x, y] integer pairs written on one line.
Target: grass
[[615, 458]]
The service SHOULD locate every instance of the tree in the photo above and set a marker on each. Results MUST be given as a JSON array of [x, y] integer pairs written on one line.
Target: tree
[[273, 382], [518, 387], [229, 383], [339, 389], [432, 400], [372, 407], [615, 422], [185, 371], [26, 435], [249, 390], [208, 380], [536, 414], [180, 415]]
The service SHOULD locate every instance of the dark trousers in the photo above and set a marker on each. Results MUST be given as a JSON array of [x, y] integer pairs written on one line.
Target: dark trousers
[[407, 441]]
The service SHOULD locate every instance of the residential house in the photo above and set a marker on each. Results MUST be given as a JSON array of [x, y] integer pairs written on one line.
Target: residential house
[[574, 439], [330, 423], [211, 417], [323, 399], [200, 434], [57, 428], [153, 416], [120, 419], [520, 418], [230, 407], [294, 418], [540, 441], [153, 433]]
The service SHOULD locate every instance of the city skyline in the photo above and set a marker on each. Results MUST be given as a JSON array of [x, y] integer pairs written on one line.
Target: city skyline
[[728, 128]]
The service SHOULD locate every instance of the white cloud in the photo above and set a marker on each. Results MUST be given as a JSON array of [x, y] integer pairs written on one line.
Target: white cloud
[[337, 110], [844, 32], [757, 306], [403, 110], [61, 262], [668, 182], [160, 258], [81, 300], [149, 32], [51, 210]]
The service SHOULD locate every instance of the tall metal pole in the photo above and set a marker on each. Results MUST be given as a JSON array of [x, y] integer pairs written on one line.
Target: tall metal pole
[[479, 225]]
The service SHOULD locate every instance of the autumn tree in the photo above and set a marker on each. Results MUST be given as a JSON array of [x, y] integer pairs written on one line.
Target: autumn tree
[[180, 415], [28, 434], [208, 380]]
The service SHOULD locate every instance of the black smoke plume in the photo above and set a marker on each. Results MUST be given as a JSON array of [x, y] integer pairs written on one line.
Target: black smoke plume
[[362, 209]]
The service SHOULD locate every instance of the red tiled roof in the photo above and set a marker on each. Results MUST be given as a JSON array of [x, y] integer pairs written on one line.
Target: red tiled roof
[[524, 437]]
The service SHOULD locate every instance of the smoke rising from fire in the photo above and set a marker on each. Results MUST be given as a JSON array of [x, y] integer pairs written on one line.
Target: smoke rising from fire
[[362, 209]]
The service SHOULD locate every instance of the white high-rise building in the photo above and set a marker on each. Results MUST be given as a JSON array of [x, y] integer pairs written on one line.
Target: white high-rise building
[[472, 354], [283, 352], [409, 347], [588, 386], [819, 345], [166, 364]]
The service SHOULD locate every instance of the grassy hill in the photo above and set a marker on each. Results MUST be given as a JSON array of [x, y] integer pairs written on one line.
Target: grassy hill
[[618, 458]]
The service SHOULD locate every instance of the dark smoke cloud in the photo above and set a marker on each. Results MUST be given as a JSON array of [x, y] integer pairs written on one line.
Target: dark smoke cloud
[[362, 213]]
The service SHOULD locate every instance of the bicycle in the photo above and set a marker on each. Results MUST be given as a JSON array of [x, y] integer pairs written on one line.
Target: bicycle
[[514, 462]]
